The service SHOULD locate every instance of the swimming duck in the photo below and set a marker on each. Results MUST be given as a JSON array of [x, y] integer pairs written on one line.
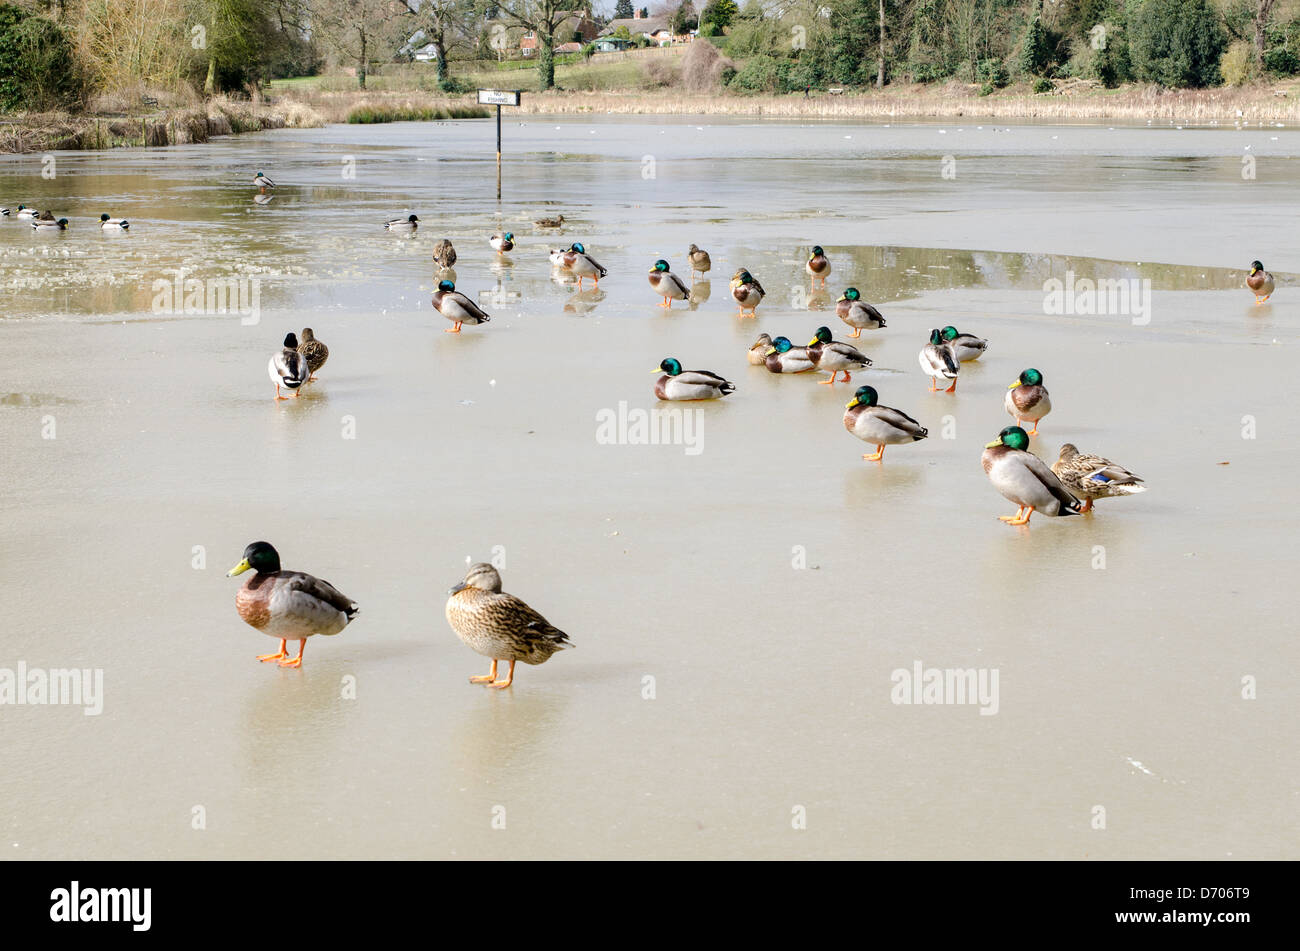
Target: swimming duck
[[582, 265], [857, 313], [679, 384], [25, 213], [965, 347], [113, 224], [500, 626], [556, 222], [667, 284], [938, 360], [501, 243], [444, 255], [456, 307], [1023, 478], [827, 354], [288, 368], [1260, 281], [315, 352], [747, 292], [699, 260], [757, 355], [262, 182], [880, 426], [785, 357], [1090, 477], [818, 266], [290, 605], [1027, 399], [49, 224], [409, 223]]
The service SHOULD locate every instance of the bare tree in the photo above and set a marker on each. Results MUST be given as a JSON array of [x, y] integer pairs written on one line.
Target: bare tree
[[544, 18], [361, 31], [1263, 14]]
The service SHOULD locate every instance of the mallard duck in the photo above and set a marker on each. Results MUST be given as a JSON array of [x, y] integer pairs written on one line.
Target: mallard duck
[[1260, 281], [938, 360], [556, 222], [785, 357], [1025, 479], [857, 313], [288, 368], [409, 223], [826, 354], [315, 352], [880, 426], [444, 255], [290, 605], [747, 292], [262, 182], [456, 307], [757, 355], [1091, 477], [113, 224], [667, 284], [581, 265], [699, 260], [679, 384], [819, 265], [965, 347], [501, 243], [500, 626], [1027, 399], [49, 224], [24, 213]]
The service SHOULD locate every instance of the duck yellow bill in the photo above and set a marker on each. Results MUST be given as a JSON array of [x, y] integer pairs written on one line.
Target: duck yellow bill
[[657, 370], [990, 445], [239, 569], [770, 351], [812, 341], [852, 403], [1014, 385], [1253, 270]]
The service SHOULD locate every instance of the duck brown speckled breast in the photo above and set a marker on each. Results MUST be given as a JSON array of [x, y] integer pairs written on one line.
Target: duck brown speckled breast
[[503, 627]]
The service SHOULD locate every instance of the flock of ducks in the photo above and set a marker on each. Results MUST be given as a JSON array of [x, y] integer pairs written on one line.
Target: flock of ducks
[[45, 220]]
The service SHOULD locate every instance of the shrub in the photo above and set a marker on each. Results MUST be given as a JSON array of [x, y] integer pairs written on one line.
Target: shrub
[[1176, 42], [1238, 64], [758, 74], [987, 89], [1281, 62], [1042, 85], [1034, 51], [37, 70], [703, 68], [993, 72]]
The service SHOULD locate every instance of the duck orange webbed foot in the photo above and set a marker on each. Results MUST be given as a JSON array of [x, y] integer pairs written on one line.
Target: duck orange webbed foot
[[491, 676], [1019, 520], [1011, 518], [264, 658], [877, 455], [453, 330], [510, 678]]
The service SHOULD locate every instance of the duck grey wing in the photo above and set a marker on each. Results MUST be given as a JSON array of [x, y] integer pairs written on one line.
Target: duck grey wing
[[900, 420], [321, 590], [1051, 482]]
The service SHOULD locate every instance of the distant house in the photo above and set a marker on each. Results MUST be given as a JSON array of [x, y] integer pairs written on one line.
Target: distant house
[[425, 54], [657, 30], [579, 24], [611, 44]]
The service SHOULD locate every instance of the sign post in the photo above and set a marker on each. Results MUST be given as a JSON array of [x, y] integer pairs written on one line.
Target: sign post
[[499, 98]]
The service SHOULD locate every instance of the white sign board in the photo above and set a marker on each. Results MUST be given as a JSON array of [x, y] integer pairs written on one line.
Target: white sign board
[[498, 97]]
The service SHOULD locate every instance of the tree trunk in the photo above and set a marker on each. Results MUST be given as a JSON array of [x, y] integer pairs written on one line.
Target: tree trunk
[[440, 50], [880, 71], [1263, 12], [361, 64], [210, 84], [546, 60]]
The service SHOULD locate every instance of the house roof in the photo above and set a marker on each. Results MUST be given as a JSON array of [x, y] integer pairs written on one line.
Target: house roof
[[635, 25]]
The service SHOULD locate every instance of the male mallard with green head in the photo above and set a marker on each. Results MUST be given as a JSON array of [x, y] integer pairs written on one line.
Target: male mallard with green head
[[827, 354], [667, 284], [785, 357], [819, 265], [1260, 281], [315, 352], [748, 293], [878, 425], [1027, 399], [113, 224], [581, 265], [699, 261], [938, 360], [262, 182], [409, 223], [289, 605], [500, 626], [456, 307], [965, 347], [26, 214], [857, 313], [288, 368], [1023, 478], [42, 223], [1092, 477], [686, 385], [502, 242]]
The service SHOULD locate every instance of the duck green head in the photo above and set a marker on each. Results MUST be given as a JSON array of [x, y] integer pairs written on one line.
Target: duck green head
[[1254, 265], [817, 251], [412, 219], [290, 342], [671, 366], [823, 335], [260, 557], [577, 247], [949, 333], [781, 345], [509, 236], [936, 337], [446, 286], [1030, 377], [661, 265], [850, 294], [1013, 437], [103, 217], [865, 396], [745, 277]]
